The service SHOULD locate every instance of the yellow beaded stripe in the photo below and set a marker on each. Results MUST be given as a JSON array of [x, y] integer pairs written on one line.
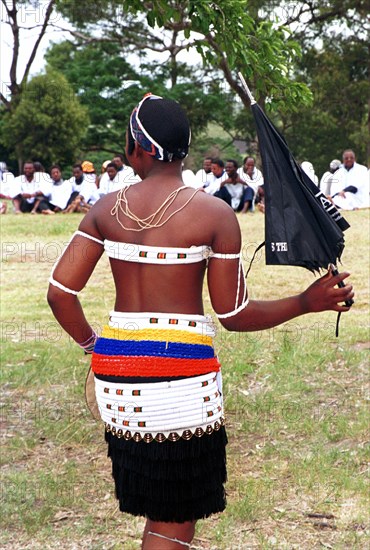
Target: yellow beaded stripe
[[159, 335]]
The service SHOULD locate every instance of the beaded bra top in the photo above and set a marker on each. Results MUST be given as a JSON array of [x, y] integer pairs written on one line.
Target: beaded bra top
[[139, 253], [130, 252]]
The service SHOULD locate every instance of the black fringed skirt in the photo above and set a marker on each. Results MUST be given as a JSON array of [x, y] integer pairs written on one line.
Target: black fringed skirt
[[172, 481]]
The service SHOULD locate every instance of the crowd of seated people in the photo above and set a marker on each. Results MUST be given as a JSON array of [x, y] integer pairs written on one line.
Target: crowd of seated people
[[36, 191], [240, 187], [346, 184]]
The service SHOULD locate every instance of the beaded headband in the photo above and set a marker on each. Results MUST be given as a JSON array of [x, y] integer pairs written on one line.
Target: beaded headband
[[145, 140]]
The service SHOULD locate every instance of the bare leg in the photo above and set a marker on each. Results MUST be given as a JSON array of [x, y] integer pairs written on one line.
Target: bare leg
[[36, 205], [17, 206], [246, 207], [167, 536]]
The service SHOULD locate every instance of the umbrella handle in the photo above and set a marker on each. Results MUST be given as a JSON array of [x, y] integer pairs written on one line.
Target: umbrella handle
[[341, 284], [246, 89]]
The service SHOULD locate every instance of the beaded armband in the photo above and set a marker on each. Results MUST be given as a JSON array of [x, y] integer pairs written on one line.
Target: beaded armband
[[241, 275], [89, 344], [56, 283]]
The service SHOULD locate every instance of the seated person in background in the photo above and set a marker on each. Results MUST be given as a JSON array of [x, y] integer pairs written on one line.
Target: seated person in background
[[41, 176], [89, 170], [260, 198], [6, 183], [204, 175], [110, 180], [59, 194], [27, 190], [103, 170], [215, 183], [308, 169], [188, 177], [252, 177], [350, 190], [234, 185], [328, 177], [84, 191], [126, 175]]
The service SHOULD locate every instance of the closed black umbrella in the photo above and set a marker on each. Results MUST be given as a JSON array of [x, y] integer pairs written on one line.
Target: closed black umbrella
[[302, 227]]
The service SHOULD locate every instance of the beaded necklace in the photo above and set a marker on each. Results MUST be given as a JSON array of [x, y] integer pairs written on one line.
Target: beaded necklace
[[153, 220]]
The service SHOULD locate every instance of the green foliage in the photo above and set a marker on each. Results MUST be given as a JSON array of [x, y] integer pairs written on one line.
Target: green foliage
[[337, 119], [48, 121], [109, 88], [222, 32], [105, 83]]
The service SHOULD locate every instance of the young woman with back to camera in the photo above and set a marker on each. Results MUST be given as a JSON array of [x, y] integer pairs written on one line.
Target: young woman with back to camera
[[157, 377]]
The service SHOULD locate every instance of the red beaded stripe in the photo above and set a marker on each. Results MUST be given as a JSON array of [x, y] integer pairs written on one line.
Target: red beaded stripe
[[152, 366]]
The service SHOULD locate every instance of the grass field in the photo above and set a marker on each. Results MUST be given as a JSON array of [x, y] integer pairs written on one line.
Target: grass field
[[296, 407]]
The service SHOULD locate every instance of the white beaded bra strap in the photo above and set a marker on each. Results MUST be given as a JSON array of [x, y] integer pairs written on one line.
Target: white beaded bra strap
[[241, 275], [59, 285]]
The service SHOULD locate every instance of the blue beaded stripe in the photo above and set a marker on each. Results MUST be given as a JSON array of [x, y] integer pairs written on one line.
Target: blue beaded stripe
[[108, 346]]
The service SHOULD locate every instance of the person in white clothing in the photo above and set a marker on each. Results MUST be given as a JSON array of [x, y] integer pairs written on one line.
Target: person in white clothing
[[26, 190], [188, 177], [84, 191], [216, 181], [234, 185], [125, 174], [85, 184], [328, 177], [59, 194], [350, 191], [6, 184], [204, 175], [253, 178], [110, 180], [308, 169]]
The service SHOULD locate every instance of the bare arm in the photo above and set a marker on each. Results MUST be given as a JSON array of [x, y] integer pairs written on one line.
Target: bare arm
[[73, 271], [223, 276]]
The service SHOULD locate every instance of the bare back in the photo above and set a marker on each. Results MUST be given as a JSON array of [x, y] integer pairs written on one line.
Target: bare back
[[165, 288]]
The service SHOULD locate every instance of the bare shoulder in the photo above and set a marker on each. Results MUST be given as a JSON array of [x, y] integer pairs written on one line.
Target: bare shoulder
[[221, 217], [95, 220]]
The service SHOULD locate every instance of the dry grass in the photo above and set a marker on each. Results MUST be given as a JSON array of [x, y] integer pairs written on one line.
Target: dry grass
[[296, 402]]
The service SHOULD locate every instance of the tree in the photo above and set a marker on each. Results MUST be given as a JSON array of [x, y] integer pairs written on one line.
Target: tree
[[109, 87], [47, 123], [223, 32], [338, 117], [16, 13]]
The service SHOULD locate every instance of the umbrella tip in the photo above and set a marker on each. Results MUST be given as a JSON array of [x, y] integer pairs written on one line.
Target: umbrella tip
[[246, 89]]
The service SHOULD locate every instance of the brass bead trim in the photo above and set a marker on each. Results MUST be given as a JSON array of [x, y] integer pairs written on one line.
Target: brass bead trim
[[160, 437]]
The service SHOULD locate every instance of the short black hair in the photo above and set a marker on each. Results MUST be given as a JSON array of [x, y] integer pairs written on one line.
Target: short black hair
[[78, 165], [56, 166], [120, 156], [234, 163], [38, 166], [112, 165], [219, 162]]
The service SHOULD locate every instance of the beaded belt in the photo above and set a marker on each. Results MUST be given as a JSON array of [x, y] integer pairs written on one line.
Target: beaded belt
[[162, 410], [158, 345], [163, 345]]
